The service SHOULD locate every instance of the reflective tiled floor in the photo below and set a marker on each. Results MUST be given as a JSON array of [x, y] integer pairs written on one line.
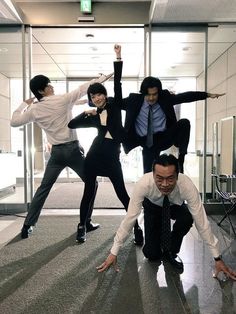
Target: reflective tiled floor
[[194, 291], [161, 289]]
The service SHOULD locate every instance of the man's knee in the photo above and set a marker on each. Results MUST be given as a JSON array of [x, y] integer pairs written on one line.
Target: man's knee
[[151, 253], [184, 123], [184, 223]]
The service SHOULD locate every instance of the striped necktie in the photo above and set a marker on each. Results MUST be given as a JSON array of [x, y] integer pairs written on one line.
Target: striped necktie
[[149, 139]]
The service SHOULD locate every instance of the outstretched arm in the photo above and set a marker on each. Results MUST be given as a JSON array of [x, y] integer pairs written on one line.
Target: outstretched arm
[[117, 49], [210, 95], [83, 120], [117, 75], [186, 97]]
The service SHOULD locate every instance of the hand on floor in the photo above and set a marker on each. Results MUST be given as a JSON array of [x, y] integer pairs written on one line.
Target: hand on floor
[[220, 266], [111, 260]]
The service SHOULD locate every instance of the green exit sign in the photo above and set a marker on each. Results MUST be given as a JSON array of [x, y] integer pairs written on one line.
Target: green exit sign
[[86, 6]]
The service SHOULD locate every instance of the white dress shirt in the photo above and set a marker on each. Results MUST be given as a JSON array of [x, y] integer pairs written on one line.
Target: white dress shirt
[[53, 113], [184, 190]]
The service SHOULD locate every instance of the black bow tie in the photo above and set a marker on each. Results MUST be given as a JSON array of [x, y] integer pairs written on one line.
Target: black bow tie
[[100, 110]]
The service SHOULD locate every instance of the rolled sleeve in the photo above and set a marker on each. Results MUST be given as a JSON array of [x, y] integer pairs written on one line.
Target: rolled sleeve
[[22, 115]]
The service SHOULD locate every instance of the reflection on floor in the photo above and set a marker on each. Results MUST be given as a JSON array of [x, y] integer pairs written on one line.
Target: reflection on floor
[[161, 289]]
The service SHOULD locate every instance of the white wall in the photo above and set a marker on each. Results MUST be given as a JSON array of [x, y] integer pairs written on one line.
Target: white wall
[[221, 79]]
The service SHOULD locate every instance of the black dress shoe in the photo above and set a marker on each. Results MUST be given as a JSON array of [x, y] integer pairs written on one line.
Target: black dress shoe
[[90, 226], [138, 236], [25, 231], [174, 260], [81, 234]]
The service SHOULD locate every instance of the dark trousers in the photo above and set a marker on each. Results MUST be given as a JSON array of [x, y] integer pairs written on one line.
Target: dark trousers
[[152, 228], [102, 160], [63, 155], [177, 135]]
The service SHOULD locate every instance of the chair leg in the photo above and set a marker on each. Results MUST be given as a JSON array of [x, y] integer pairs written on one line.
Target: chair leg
[[230, 211], [227, 212]]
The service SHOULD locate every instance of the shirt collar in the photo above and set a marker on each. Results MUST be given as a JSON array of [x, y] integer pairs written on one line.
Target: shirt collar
[[146, 104]]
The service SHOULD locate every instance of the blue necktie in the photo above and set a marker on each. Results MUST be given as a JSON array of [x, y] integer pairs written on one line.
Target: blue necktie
[[149, 139]]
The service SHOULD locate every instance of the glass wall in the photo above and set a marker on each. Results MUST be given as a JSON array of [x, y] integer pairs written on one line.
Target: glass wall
[[178, 59], [13, 187], [71, 56]]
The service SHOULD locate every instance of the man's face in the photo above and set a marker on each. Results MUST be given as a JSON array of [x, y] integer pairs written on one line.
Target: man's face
[[48, 90], [165, 178], [152, 95], [99, 100]]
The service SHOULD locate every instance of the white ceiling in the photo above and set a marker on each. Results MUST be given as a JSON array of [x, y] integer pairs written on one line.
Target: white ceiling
[[180, 11], [84, 52]]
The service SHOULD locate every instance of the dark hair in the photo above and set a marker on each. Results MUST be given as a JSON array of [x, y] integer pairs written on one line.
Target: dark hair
[[166, 160], [96, 88], [150, 82], [38, 83]]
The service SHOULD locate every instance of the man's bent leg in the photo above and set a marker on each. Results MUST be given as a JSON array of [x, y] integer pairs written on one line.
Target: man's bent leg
[[177, 135], [149, 154], [183, 223], [182, 140], [152, 231]]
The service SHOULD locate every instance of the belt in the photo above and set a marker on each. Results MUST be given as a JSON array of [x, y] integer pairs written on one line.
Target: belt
[[66, 143]]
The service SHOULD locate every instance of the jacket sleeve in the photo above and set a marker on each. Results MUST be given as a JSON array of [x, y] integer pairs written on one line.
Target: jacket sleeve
[[131, 101], [83, 120], [187, 97], [118, 65]]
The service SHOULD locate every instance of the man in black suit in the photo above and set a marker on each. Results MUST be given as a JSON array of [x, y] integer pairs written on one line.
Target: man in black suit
[[158, 105], [103, 156]]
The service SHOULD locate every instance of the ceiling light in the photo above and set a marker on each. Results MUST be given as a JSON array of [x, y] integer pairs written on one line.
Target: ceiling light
[[89, 35], [93, 48], [4, 50]]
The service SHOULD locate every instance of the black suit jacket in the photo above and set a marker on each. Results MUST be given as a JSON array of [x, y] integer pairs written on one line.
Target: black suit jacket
[[114, 121], [133, 103]]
